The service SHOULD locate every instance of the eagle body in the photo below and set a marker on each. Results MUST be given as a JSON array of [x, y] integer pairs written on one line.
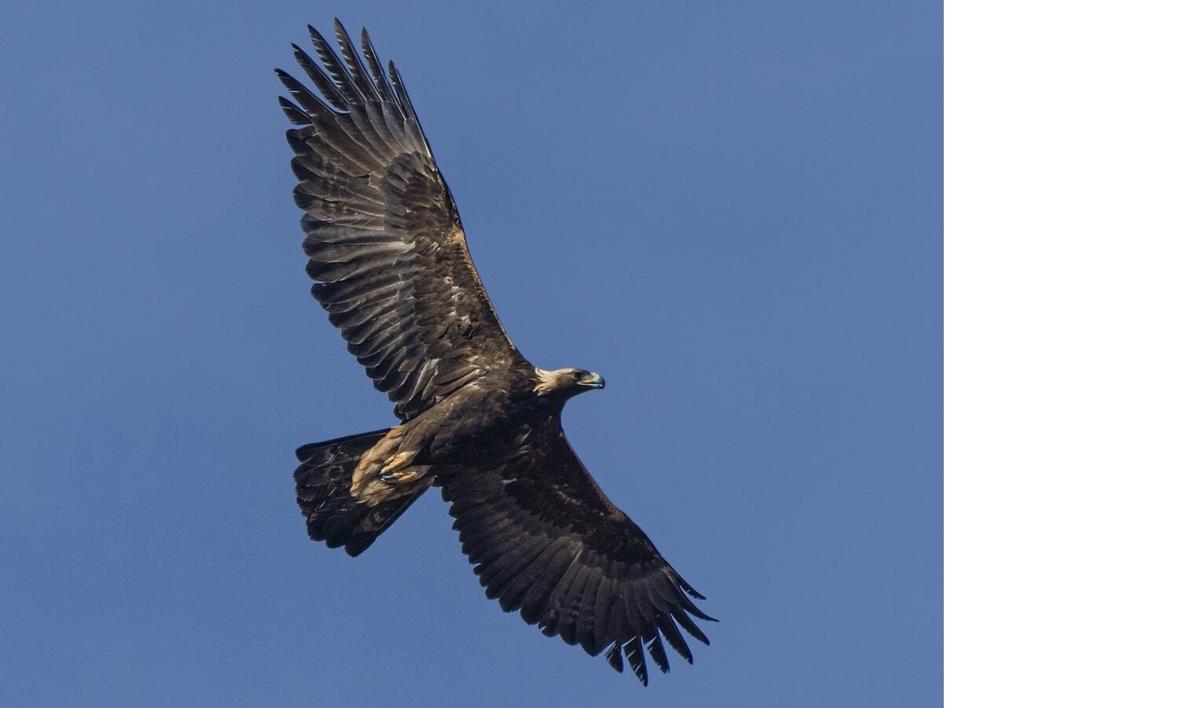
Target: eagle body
[[389, 256]]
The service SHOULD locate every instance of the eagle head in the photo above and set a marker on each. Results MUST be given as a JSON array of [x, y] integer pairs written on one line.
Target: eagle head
[[565, 382]]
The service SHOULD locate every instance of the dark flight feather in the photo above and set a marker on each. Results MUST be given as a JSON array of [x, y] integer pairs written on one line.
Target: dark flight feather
[[637, 660]]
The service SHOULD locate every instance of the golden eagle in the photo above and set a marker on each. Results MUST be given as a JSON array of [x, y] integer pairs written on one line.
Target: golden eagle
[[387, 251]]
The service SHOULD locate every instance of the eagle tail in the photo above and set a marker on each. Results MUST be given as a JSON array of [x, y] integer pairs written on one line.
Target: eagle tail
[[333, 514]]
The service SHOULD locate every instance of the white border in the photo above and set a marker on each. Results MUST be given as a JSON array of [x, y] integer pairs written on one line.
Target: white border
[[1072, 354]]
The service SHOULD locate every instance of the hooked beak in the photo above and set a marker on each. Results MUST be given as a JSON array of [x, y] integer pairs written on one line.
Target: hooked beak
[[592, 380]]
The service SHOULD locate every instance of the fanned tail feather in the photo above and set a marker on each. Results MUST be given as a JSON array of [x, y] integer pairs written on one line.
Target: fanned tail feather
[[323, 493]]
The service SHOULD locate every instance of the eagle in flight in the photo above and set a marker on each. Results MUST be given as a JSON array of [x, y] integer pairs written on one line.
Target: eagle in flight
[[389, 257]]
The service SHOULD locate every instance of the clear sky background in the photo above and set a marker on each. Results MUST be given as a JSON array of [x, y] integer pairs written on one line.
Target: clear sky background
[[732, 211]]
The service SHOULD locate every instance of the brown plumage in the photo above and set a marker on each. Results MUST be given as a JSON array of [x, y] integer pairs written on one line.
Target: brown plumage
[[392, 269]]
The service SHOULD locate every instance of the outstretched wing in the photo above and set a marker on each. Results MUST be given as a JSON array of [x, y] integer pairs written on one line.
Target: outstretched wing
[[384, 239], [543, 538]]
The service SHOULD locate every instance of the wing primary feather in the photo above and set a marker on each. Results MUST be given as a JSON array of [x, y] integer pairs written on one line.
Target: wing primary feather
[[381, 83], [654, 645], [686, 622], [674, 638], [691, 607], [688, 588], [406, 104], [294, 113], [392, 117], [352, 89], [319, 78], [358, 73], [318, 111], [309, 101], [613, 655], [636, 659], [333, 64]]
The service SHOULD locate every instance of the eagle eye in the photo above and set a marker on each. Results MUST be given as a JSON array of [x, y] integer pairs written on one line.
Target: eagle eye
[[578, 375]]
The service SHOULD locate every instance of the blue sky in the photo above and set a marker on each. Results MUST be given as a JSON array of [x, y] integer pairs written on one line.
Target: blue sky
[[732, 211]]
